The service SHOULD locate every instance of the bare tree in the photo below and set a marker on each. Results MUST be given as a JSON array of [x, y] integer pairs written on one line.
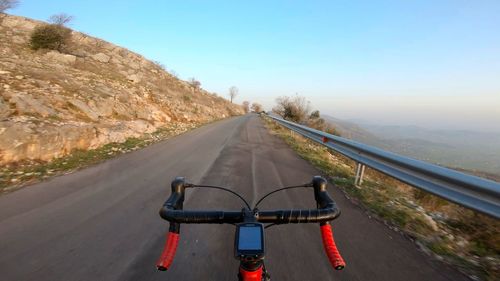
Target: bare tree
[[233, 92], [173, 73], [60, 19], [8, 4], [160, 65], [194, 83], [294, 108], [256, 107], [246, 106]]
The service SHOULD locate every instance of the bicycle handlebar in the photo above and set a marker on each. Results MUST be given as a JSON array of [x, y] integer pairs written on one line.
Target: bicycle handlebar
[[172, 209], [327, 210], [232, 217]]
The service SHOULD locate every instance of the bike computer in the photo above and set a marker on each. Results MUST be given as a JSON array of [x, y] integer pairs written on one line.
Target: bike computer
[[249, 241]]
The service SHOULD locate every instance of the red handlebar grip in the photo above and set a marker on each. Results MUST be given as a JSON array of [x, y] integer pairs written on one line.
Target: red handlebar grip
[[330, 248], [167, 256]]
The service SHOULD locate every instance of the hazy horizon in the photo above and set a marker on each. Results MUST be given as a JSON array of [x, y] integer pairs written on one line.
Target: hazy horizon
[[461, 113], [426, 63]]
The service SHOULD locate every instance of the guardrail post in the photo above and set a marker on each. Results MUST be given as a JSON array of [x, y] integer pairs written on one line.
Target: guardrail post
[[360, 172]]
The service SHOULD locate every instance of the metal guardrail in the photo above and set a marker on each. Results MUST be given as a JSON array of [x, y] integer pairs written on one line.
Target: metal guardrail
[[469, 191]]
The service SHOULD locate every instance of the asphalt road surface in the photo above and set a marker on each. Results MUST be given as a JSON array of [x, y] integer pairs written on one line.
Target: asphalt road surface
[[102, 223]]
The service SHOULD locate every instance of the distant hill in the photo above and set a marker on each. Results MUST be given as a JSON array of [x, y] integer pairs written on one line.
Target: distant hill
[[474, 152], [353, 131]]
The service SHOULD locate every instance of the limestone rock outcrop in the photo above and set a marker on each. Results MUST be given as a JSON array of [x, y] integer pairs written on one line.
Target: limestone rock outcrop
[[89, 94]]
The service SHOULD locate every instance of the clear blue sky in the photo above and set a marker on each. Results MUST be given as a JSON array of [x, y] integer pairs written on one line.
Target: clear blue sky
[[432, 63]]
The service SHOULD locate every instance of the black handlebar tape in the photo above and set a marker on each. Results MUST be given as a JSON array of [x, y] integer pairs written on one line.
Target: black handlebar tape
[[331, 250], [167, 256], [181, 216], [278, 216], [298, 216]]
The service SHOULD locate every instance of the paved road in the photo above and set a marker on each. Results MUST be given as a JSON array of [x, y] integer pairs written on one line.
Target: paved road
[[102, 223]]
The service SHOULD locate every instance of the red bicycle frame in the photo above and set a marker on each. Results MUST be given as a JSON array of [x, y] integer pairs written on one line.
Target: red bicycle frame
[[256, 275]]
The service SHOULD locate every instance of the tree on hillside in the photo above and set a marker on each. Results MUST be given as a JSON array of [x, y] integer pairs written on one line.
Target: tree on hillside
[[8, 4], [315, 121], [256, 107], [233, 92], [60, 19], [246, 106], [194, 83], [297, 109], [50, 36], [173, 73], [54, 36], [314, 115], [160, 65], [331, 130], [294, 108]]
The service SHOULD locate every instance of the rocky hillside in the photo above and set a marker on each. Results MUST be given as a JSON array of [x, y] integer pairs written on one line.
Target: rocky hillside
[[92, 94]]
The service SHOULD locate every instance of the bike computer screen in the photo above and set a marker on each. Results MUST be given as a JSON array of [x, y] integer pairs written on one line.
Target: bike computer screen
[[249, 240]]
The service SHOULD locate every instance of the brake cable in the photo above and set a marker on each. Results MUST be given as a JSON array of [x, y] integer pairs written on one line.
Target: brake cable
[[280, 189], [224, 189], [243, 199]]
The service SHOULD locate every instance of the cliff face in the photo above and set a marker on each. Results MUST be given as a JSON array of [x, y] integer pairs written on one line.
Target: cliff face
[[92, 94]]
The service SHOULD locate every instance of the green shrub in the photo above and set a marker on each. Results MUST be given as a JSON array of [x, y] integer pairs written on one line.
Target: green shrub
[[50, 36]]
